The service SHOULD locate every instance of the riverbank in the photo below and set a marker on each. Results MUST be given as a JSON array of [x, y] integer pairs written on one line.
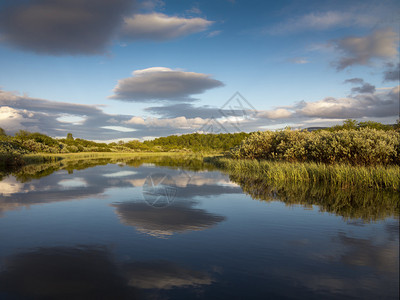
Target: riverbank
[[343, 176], [275, 173]]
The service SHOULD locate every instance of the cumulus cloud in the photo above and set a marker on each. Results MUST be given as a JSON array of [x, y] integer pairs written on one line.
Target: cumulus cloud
[[62, 26], [90, 122], [161, 83], [278, 113], [381, 44], [58, 118], [160, 27], [373, 105]]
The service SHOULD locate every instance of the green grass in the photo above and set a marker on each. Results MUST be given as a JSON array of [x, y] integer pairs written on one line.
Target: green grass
[[341, 175]]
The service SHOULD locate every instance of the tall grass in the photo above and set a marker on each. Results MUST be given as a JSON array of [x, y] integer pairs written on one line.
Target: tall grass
[[354, 203], [341, 175]]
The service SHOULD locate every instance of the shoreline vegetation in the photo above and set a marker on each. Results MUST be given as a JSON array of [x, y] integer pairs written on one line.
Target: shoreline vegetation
[[352, 155], [350, 202]]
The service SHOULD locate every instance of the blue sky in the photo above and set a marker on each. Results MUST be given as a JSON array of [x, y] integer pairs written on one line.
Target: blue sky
[[122, 69]]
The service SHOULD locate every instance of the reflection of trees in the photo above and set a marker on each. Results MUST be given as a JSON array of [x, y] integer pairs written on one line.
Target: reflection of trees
[[37, 171], [90, 273], [19, 192], [350, 203], [177, 218]]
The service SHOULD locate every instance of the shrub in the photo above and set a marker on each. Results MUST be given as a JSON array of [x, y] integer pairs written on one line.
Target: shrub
[[363, 146]]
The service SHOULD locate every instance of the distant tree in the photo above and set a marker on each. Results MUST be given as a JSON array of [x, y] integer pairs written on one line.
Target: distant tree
[[2, 132], [70, 137], [350, 124]]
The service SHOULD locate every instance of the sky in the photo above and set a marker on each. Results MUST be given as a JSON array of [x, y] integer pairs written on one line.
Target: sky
[[110, 70]]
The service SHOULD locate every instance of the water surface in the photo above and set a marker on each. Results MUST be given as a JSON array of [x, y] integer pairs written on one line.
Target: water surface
[[171, 229]]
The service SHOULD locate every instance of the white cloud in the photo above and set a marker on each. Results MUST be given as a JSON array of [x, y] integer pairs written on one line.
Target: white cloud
[[136, 121], [178, 122], [119, 128], [67, 118], [58, 118], [278, 113], [367, 105], [10, 186], [381, 44], [159, 83], [12, 119], [160, 27]]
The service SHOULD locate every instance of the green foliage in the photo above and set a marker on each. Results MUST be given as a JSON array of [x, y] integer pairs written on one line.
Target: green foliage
[[356, 143], [198, 142], [342, 176], [350, 203], [375, 125], [353, 124], [70, 137], [363, 146]]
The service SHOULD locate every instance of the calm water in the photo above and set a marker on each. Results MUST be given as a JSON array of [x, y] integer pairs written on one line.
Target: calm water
[[147, 230]]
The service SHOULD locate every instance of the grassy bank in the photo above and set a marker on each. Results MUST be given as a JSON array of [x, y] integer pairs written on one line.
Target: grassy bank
[[343, 176]]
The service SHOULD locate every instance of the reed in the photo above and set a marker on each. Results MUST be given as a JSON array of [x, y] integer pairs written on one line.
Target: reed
[[340, 175]]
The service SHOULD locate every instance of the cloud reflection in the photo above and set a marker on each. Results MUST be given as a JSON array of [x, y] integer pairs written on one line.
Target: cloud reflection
[[164, 275], [177, 218]]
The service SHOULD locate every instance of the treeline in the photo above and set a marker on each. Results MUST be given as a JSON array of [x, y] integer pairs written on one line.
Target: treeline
[[198, 142], [24, 142], [357, 143], [367, 143]]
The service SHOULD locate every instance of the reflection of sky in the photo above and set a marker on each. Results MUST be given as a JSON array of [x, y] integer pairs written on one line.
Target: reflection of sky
[[95, 181], [73, 183], [90, 273], [258, 248]]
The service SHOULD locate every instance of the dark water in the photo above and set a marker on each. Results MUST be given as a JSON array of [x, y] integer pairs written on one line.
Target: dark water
[[143, 230]]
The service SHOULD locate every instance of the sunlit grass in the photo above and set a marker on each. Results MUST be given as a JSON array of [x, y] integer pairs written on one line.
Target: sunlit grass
[[340, 175]]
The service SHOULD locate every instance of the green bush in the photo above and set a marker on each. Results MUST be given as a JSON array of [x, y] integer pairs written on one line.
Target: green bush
[[362, 146]]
